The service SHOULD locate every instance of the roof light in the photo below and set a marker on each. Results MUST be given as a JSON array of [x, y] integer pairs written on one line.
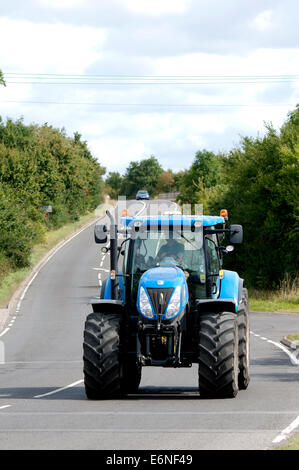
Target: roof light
[[137, 223], [197, 223]]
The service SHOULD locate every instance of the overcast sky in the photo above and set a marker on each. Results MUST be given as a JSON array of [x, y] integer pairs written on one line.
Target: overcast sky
[[151, 62]]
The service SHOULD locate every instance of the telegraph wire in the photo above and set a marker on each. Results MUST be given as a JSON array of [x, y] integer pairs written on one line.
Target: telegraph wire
[[170, 105]]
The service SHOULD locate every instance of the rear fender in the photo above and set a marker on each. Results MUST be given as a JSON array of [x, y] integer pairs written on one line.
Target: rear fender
[[107, 288], [215, 305], [231, 288]]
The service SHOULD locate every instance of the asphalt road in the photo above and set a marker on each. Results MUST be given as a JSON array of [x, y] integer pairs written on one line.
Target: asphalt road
[[42, 398]]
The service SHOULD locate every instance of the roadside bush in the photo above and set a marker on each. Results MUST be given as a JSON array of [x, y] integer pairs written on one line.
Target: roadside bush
[[41, 166]]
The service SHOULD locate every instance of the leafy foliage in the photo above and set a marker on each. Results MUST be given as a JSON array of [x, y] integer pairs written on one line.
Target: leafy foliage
[[204, 173], [114, 183], [2, 81], [40, 166], [261, 193], [141, 175]]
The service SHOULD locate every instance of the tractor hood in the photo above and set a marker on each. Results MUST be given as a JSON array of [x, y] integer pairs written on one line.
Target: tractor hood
[[162, 291]]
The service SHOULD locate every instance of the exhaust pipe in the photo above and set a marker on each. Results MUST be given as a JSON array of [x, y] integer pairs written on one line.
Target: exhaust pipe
[[113, 256]]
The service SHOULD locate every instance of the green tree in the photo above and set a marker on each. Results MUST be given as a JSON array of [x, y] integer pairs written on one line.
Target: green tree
[[114, 183], [166, 182], [205, 172], [261, 193], [141, 175], [40, 165], [2, 81]]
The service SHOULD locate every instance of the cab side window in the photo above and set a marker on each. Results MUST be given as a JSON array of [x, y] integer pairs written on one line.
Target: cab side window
[[213, 256]]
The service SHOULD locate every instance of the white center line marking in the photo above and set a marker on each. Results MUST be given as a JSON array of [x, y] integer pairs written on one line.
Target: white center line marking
[[59, 389], [4, 406]]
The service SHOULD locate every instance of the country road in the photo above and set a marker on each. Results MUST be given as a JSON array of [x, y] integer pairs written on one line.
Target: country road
[[42, 398]]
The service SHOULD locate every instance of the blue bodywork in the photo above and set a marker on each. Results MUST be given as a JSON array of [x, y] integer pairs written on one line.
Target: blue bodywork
[[166, 277], [230, 287], [173, 220], [107, 287]]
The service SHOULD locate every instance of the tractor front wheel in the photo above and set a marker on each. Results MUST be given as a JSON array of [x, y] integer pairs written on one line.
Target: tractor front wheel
[[243, 326], [102, 377], [218, 355]]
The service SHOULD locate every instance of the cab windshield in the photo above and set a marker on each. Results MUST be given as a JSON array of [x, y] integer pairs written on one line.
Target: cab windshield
[[181, 248]]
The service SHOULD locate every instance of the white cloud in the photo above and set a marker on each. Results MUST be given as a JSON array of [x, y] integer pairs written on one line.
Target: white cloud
[[157, 7], [61, 4], [263, 21], [42, 47]]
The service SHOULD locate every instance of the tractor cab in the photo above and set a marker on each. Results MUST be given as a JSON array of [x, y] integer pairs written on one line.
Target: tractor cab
[[190, 243]]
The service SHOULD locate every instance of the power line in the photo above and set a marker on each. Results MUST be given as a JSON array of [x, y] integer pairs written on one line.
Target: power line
[[149, 76], [125, 80], [147, 83], [170, 105]]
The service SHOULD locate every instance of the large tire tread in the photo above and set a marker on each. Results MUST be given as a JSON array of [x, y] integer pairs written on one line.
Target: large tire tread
[[243, 327], [218, 355], [101, 356]]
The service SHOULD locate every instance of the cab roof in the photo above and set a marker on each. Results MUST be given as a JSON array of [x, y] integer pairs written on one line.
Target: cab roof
[[173, 220]]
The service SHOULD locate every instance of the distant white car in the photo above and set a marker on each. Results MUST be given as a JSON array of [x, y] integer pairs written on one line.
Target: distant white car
[[141, 194]]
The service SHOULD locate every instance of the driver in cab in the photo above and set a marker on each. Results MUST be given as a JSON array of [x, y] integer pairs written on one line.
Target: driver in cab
[[172, 249]]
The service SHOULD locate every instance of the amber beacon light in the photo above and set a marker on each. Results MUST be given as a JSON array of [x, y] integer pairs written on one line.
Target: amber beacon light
[[224, 213]]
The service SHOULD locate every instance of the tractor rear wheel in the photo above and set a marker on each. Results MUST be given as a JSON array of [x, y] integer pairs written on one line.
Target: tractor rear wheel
[[218, 355], [101, 357], [243, 327]]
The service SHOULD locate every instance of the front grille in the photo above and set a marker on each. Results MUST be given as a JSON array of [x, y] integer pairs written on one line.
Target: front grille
[[155, 296]]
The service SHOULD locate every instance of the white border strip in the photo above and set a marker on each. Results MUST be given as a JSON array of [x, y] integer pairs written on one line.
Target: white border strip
[[284, 434], [42, 264], [59, 389], [292, 356]]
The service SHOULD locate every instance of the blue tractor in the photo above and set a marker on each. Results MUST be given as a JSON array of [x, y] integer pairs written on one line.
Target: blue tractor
[[169, 304]]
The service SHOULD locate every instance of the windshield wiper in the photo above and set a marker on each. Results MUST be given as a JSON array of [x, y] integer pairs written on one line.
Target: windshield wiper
[[183, 236]]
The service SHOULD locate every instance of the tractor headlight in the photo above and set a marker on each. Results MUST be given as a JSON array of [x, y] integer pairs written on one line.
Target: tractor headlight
[[174, 305], [144, 304]]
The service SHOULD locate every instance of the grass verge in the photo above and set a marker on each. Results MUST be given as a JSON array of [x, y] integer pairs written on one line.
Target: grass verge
[[11, 282], [274, 301], [292, 444], [294, 337]]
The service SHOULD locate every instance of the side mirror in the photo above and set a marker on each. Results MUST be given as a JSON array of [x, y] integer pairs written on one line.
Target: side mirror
[[236, 234], [100, 233]]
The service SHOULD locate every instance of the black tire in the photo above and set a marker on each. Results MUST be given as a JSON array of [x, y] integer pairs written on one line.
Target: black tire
[[101, 368], [218, 355], [244, 333], [131, 376]]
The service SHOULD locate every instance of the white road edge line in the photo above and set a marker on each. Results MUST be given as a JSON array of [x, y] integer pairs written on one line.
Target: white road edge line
[[4, 331], [59, 389], [284, 434], [4, 406], [292, 356], [42, 265]]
